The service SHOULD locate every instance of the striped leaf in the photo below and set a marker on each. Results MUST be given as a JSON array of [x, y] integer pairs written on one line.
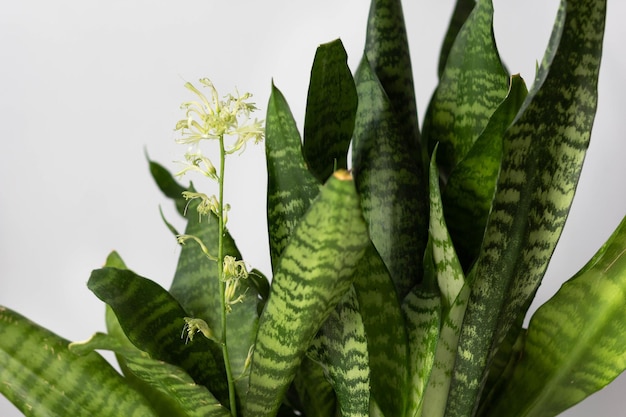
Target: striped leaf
[[469, 192], [422, 312], [179, 395], [290, 185], [448, 269], [385, 330], [330, 111], [314, 391], [472, 86], [576, 342], [315, 271], [461, 12], [153, 321], [196, 286], [387, 50], [340, 347], [454, 295], [42, 377], [390, 182], [543, 153]]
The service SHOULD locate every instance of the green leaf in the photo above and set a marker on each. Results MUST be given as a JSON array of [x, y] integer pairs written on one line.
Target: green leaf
[[153, 321], [179, 394], [436, 395], [168, 185], [461, 12], [472, 86], [422, 312], [454, 293], [450, 275], [315, 392], [543, 152], [330, 111], [40, 376], [391, 184], [315, 271], [340, 347], [290, 185], [385, 330], [576, 342], [469, 192], [387, 50]]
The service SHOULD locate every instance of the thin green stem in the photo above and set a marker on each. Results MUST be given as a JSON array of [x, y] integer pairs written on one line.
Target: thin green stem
[[220, 274]]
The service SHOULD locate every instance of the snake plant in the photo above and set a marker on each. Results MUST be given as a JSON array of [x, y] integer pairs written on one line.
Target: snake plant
[[402, 269]]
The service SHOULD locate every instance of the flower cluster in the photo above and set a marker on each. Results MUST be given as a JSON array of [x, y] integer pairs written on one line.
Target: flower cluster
[[211, 118]]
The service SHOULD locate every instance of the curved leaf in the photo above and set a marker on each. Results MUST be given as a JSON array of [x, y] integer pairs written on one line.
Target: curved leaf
[[41, 376], [315, 271], [542, 158], [330, 111], [472, 86], [290, 185], [153, 320], [469, 192], [391, 184], [315, 392], [387, 50], [461, 12], [576, 342], [179, 394], [386, 332], [340, 347], [422, 311]]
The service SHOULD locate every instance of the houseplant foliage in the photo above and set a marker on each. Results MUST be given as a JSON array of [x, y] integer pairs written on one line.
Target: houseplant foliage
[[399, 288]]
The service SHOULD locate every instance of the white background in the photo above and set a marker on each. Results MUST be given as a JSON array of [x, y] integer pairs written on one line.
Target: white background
[[85, 86]]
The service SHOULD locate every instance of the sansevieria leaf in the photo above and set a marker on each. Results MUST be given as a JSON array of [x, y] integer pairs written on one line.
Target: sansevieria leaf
[[452, 301], [422, 311], [290, 185], [386, 332], [472, 86], [576, 343], [389, 179], [178, 394], [387, 50], [469, 192], [543, 152], [153, 320], [41, 377], [315, 271], [462, 10], [340, 347], [330, 111]]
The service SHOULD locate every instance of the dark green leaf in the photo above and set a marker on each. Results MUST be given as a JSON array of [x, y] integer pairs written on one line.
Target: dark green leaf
[[385, 330], [390, 182], [330, 111], [387, 50], [153, 321]]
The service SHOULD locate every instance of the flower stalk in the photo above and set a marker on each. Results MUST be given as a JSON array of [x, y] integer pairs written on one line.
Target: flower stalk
[[210, 118]]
